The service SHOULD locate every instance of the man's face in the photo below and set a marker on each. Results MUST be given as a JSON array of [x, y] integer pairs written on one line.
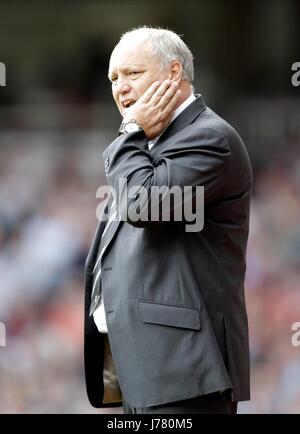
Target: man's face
[[132, 69]]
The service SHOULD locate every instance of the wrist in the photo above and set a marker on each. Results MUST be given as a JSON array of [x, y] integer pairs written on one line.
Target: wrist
[[130, 126]]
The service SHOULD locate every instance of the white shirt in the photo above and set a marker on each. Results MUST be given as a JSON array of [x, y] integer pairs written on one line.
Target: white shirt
[[99, 313]]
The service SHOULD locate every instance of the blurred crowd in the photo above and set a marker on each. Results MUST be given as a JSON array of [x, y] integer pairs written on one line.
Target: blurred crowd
[[272, 286], [47, 219]]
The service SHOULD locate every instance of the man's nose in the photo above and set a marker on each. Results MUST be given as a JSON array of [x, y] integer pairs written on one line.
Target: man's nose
[[122, 87]]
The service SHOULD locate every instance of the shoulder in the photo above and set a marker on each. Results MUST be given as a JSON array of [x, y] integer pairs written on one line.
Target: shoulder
[[211, 122]]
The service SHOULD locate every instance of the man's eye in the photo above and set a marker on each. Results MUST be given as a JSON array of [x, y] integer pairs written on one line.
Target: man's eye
[[134, 73]]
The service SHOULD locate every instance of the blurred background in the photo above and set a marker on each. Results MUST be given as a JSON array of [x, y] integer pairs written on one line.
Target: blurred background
[[56, 118]]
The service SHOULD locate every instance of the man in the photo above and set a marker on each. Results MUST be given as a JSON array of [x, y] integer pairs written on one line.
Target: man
[[165, 318]]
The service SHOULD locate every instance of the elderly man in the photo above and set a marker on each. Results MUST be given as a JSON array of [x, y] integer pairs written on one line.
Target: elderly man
[[165, 317]]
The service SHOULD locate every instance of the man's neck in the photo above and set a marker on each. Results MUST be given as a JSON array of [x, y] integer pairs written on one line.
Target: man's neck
[[182, 106], [186, 91]]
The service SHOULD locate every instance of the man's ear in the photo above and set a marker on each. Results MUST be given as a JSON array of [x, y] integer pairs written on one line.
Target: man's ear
[[175, 73]]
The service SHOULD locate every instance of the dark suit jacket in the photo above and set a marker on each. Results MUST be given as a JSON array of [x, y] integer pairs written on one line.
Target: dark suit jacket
[[174, 300]]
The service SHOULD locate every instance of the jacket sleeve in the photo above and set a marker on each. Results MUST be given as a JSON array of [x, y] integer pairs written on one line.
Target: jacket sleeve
[[190, 161]]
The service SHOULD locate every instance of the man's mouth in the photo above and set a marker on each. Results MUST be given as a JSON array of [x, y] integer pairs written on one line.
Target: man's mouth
[[128, 103]]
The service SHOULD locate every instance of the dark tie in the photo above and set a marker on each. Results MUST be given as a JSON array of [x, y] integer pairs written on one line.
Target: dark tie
[[96, 290]]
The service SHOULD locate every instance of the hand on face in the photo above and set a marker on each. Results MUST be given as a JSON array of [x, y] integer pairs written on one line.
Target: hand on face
[[153, 110]]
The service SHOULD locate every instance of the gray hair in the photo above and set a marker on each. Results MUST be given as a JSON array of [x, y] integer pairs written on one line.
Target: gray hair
[[166, 46]]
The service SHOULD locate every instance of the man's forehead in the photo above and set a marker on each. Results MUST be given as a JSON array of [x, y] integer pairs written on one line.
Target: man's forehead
[[132, 44], [128, 52]]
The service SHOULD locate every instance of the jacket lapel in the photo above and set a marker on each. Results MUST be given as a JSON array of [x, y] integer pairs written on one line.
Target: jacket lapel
[[104, 234], [90, 260]]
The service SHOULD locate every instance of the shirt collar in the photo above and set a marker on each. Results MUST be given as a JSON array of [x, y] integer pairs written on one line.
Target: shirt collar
[[183, 106]]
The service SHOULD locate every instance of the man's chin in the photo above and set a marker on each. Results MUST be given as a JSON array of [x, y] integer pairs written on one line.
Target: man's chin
[[124, 111]]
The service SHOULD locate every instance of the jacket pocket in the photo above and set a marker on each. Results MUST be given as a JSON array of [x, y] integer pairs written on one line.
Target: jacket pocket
[[169, 315]]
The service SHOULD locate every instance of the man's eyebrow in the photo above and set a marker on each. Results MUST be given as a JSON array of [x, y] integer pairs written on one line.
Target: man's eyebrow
[[125, 68]]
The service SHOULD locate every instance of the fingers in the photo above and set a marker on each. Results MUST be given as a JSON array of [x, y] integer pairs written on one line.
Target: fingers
[[154, 93], [168, 95], [163, 96], [160, 92], [150, 92], [171, 104]]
